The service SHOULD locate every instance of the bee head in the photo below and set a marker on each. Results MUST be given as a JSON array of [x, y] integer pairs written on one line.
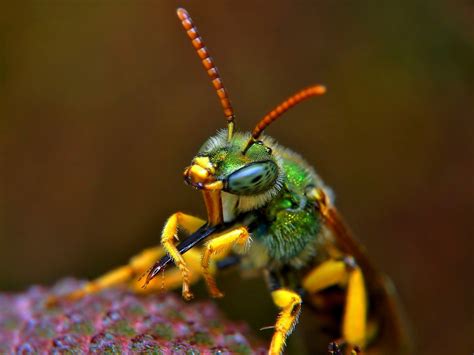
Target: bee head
[[222, 163], [240, 164]]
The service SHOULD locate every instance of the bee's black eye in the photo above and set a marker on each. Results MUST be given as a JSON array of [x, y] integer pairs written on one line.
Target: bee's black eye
[[253, 178]]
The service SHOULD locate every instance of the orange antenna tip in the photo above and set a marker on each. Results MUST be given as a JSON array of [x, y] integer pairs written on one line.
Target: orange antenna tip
[[320, 89], [273, 115], [182, 13]]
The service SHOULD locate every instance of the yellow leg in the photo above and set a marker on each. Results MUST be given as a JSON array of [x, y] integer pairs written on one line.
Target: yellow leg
[[329, 273], [290, 304], [140, 263], [121, 275], [332, 272], [354, 325], [168, 240], [221, 245]]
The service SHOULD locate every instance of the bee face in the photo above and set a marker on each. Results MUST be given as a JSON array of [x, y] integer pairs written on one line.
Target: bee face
[[247, 174]]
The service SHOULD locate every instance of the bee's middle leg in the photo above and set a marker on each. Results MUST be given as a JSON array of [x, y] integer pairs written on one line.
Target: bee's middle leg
[[345, 273], [121, 275], [221, 245]]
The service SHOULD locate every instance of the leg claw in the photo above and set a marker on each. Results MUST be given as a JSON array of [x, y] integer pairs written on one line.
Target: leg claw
[[334, 348], [188, 295]]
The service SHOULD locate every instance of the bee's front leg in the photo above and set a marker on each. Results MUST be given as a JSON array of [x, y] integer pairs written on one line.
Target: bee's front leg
[[290, 304], [221, 245], [169, 238]]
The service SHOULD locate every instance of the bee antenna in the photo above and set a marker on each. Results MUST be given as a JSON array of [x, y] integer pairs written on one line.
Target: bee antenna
[[315, 90], [210, 67]]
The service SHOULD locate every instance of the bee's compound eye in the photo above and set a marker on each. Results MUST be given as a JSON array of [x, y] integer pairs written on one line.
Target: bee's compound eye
[[253, 178]]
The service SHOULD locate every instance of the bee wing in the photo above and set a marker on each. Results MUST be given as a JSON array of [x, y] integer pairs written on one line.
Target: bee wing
[[382, 292]]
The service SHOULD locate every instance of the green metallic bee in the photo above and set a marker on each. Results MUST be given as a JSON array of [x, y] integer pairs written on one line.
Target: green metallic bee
[[269, 211]]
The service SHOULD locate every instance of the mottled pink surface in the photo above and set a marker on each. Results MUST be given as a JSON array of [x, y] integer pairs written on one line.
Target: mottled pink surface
[[117, 321]]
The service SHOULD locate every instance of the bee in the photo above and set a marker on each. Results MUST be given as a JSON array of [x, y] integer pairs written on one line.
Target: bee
[[268, 211]]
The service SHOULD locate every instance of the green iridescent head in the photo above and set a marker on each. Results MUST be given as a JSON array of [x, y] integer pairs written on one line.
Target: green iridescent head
[[253, 173]]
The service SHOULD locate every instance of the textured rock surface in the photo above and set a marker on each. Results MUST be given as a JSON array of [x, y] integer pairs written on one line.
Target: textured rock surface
[[117, 321]]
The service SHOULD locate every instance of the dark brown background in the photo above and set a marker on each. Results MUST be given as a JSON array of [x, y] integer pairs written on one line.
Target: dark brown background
[[102, 104]]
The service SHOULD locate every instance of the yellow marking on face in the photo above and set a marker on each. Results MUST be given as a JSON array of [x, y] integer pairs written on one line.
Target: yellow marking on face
[[198, 173], [205, 163], [201, 171]]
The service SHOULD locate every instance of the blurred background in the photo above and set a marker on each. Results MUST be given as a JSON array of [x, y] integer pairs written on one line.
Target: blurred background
[[102, 105]]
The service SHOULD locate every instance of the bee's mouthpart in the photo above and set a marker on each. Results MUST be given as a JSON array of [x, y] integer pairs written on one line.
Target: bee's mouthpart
[[202, 177], [200, 172], [213, 186]]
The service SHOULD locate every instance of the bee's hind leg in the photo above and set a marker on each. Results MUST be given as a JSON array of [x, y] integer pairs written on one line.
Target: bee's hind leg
[[345, 273]]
